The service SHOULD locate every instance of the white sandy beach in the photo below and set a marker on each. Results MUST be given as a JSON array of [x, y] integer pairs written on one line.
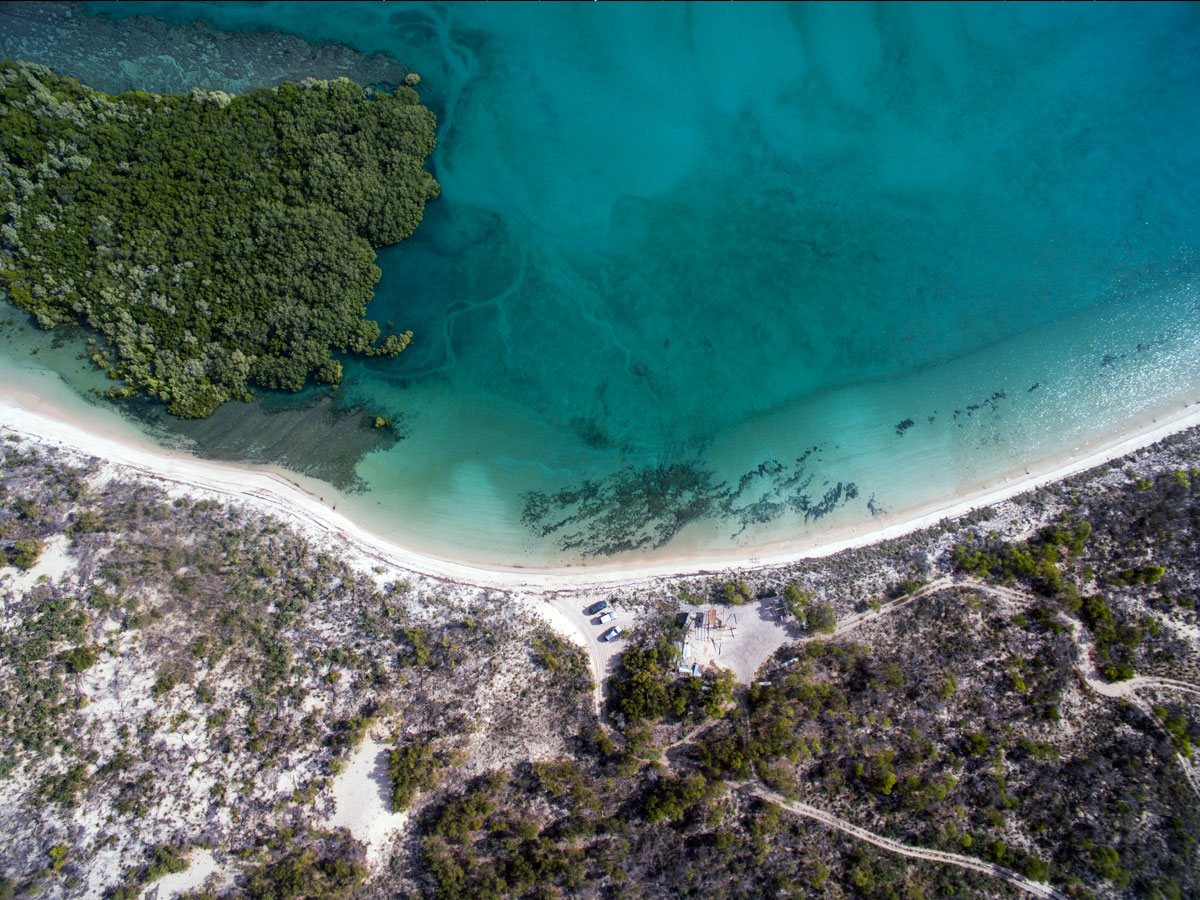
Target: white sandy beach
[[47, 416], [558, 595]]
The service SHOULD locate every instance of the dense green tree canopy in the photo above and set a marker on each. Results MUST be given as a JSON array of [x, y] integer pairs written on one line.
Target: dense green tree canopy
[[213, 242]]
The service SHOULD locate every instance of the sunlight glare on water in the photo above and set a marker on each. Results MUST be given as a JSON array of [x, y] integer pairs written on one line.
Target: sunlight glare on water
[[703, 276]]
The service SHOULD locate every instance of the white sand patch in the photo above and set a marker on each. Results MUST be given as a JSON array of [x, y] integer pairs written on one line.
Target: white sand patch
[[288, 781], [203, 866], [275, 492], [741, 638], [103, 871], [99, 684], [560, 620], [1190, 631], [362, 794], [270, 491], [54, 563], [312, 703], [116, 687]]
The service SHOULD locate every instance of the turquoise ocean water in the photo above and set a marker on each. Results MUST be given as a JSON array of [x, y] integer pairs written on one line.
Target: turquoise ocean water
[[704, 277]]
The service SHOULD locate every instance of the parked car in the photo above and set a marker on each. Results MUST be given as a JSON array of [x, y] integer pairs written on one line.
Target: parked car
[[596, 607], [611, 634], [607, 617]]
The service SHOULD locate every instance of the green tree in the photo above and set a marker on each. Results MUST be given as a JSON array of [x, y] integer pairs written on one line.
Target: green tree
[[673, 797], [1037, 869], [80, 659], [411, 769], [58, 856], [27, 551], [1107, 863], [821, 618], [209, 243], [797, 601]]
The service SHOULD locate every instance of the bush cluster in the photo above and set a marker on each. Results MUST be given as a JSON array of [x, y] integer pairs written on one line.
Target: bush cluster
[[212, 242]]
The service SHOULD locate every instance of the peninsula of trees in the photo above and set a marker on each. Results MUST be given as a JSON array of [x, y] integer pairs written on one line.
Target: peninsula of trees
[[212, 243]]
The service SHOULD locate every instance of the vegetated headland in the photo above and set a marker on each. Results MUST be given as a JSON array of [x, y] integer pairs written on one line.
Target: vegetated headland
[[208, 690], [213, 684], [211, 243]]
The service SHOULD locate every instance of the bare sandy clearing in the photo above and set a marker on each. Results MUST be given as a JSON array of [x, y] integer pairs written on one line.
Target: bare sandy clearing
[[740, 638], [203, 866], [363, 796], [54, 563]]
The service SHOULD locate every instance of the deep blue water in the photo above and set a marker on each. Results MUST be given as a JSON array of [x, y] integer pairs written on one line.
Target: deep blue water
[[704, 276]]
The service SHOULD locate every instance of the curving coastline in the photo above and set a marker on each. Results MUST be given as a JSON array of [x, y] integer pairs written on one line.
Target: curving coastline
[[45, 412], [123, 465]]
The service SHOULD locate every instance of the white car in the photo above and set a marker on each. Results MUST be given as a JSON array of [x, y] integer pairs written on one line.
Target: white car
[[607, 617], [611, 634]]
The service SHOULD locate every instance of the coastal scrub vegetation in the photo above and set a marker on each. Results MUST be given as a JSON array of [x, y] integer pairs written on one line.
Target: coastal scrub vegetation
[[212, 243], [1129, 559], [817, 617], [411, 769], [647, 687], [275, 661], [963, 717]]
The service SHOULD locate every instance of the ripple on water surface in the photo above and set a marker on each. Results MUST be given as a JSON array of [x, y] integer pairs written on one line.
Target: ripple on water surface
[[704, 276]]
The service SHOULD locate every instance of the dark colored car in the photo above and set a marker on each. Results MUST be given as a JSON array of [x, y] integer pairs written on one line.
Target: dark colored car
[[597, 607]]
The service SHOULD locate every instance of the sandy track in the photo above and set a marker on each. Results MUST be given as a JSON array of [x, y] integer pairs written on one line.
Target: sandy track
[[1035, 888], [851, 622], [1118, 690], [1139, 683]]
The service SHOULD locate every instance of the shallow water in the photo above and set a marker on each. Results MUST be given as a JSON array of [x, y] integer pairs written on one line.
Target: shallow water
[[704, 276]]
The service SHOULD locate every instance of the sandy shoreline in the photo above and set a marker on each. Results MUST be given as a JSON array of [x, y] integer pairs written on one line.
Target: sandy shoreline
[[283, 494]]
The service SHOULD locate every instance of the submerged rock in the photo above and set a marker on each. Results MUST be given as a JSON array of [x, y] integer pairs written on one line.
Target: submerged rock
[[141, 53]]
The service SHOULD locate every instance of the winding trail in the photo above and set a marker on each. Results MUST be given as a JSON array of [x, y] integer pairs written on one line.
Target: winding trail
[[1035, 888], [1141, 682], [1128, 690], [1114, 690], [1091, 678]]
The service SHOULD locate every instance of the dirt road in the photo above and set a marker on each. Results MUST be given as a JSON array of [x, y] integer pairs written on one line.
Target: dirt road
[[1035, 888]]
